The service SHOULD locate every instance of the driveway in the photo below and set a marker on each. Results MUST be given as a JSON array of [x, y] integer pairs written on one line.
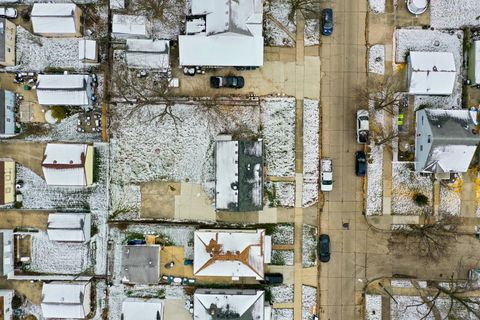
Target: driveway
[[10, 219], [28, 154]]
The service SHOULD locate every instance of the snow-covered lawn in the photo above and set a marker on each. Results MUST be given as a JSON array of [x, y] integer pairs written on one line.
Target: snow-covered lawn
[[282, 294], [309, 245], [284, 234], [447, 14], [405, 184], [376, 59], [274, 35], [375, 180], [126, 201], [311, 34], [309, 301], [311, 141], [282, 257], [377, 6], [278, 123], [407, 40], [280, 194], [373, 307], [405, 283], [58, 257], [450, 198], [283, 314]]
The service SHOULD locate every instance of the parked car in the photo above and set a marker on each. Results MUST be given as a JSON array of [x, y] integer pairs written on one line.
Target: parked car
[[363, 126], [227, 82], [8, 12], [326, 174], [272, 278], [327, 22], [135, 242], [360, 163], [245, 68], [324, 248]]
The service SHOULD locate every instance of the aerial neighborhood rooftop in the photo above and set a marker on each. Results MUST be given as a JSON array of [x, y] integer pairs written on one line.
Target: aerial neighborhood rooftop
[[239, 159]]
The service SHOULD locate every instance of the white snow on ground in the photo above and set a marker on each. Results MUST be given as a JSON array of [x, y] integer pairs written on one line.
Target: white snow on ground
[[283, 314], [125, 199], [405, 183], [377, 6], [309, 246], [311, 158], [450, 201], [283, 234], [282, 257], [278, 123], [309, 301], [447, 14], [375, 181], [376, 59], [373, 307], [283, 193], [33, 309], [58, 257], [311, 34], [407, 40], [100, 298], [282, 293], [274, 34], [404, 283]]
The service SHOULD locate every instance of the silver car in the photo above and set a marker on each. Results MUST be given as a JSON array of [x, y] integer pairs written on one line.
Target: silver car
[[363, 126], [8, 12]]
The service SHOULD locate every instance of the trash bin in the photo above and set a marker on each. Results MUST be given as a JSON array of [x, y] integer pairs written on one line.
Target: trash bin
[[26, 87]]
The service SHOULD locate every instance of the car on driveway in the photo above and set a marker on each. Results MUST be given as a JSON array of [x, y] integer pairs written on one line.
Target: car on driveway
[[360, 163], [227, 82], [324, 248], [272, 278], [327, 22], [8, 12], [363, 126]]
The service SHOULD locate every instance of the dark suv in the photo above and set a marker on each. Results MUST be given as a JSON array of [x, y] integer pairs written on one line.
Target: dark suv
[[360, 163], [324, 248], [227, 82]]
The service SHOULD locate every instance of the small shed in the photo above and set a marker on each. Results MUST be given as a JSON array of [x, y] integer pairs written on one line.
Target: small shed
[[87, 51], [148, 308], [148, 54], [141, 264], [56, 19], [7, 181], [128, 26], [7, 113], [66, 300], [69, 227], [64, 89]]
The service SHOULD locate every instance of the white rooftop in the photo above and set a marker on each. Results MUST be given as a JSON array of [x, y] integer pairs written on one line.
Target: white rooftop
[[132, 308], [87, 50], [64, 164], [476, 48], [69, 227], [129, 26], [148, 54], [431, 73], [51, 18], [62, 89], [62, 300], [231, 253]]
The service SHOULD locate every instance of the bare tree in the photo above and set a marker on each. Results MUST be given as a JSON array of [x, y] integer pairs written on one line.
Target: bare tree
[[305, 7]]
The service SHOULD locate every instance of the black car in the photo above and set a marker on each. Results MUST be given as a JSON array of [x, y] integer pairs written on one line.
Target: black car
[[227, 82], [324, 247], [136, 242], [360, 163], [327, 22], [272, 278]]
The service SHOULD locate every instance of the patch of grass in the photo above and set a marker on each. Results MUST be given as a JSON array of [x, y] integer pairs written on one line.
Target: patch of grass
[[59, 112], [96, 166], [277, 259]]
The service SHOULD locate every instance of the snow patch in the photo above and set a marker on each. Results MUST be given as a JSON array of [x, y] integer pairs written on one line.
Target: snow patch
[[377, 6], [373, 307], [376, 59]]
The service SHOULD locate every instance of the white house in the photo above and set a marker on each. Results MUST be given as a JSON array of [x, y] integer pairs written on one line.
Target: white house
[[132, 308], [69, 227], [148, 54], [231, 253], [64, 89], [6, 297], [446, 140], [66, 300], [127, 26], [431, 73], [7, 265], [87, 51], [68, 164], [223, 33], [211, 304], [56, 19]]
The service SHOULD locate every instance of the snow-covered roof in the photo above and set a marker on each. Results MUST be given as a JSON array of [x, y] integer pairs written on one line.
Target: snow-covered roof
[[117, 4], [64, 164], [231, 253], [129, 26], [66, 300], [51, 18], [71, 227], [445, 140], [63, 89], [87, 50], [431, 73], [148, 308], [6, 252], [148, 54], [141, 264], [239, 175], [239, 304], [231, 34]]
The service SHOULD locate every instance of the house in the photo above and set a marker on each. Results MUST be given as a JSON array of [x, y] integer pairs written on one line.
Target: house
[[212, 304], [222, 33], [141, 264], [7, 265], [231, 253], [64, 89], [127, 26], [8, 31], [148, 308], [238, 175], [66, 300], [7, 181], [148, 54], [69, 227], [474, 63], [87, 51], [446, 140], [6, 311], [117, 4], [56, 19], [7, 113], [68, 164], [431, 73]]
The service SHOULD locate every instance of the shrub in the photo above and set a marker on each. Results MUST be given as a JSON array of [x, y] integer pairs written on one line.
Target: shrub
[[59, 112], [420, 199]]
